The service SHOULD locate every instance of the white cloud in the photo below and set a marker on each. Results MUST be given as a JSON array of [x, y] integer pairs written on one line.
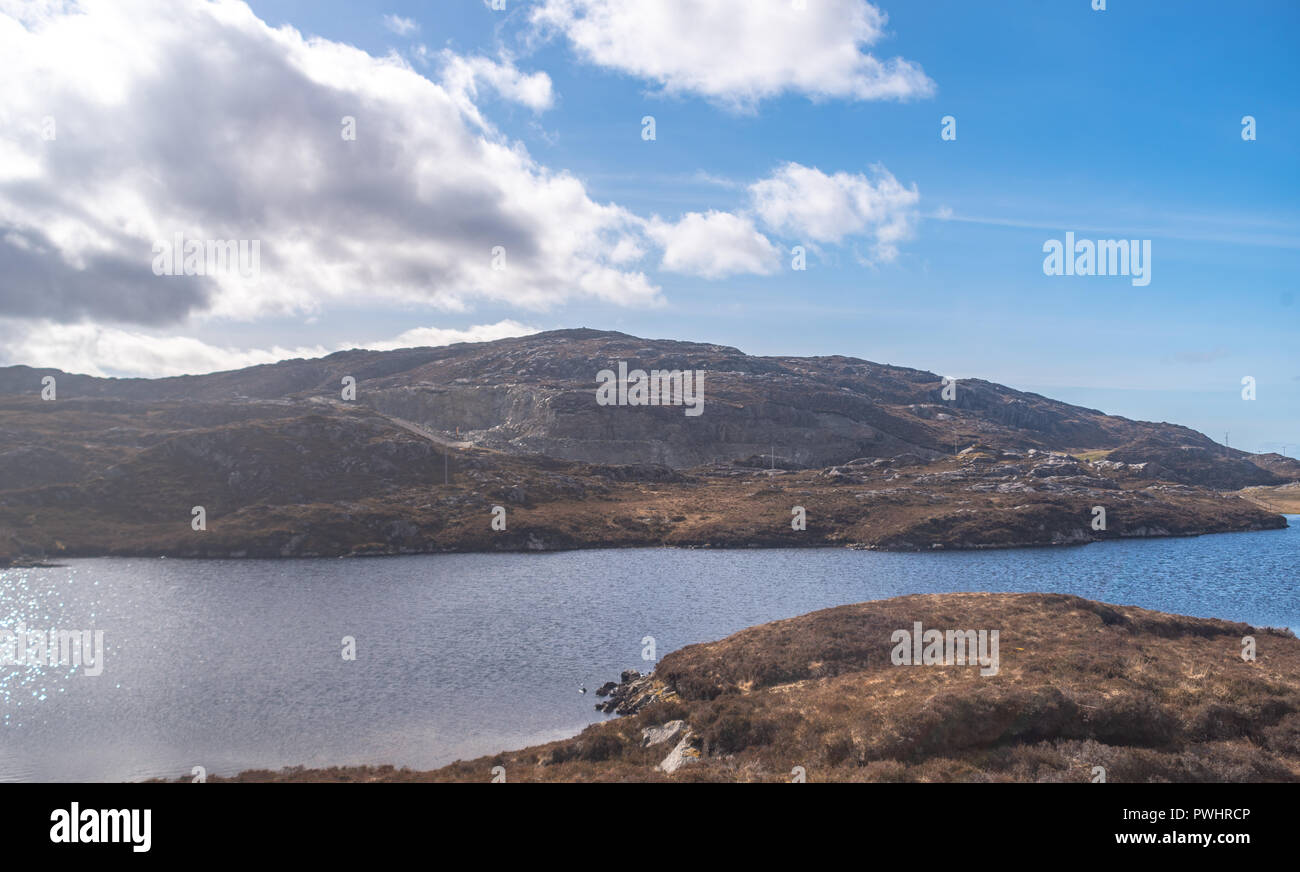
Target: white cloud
[[113, 351], [805, 203], [738, 52], [463, 75], [714, 245], [421, 336], [408, 212], [401, 26], [704, 178], [92, 349]]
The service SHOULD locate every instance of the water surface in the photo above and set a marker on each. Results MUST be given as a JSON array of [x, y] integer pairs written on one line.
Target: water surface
[[236, 664]]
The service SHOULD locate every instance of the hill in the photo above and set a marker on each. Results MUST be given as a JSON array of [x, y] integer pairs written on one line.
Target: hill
[[876, 455]]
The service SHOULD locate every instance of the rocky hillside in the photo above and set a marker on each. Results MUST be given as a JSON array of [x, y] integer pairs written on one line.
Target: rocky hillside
[[283, 464], [1082, 691], [535, 394]]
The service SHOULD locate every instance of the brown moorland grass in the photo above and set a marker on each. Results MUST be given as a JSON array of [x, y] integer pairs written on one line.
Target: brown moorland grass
[[1277, 498]]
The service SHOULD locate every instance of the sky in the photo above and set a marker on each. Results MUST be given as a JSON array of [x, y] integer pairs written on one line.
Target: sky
[[417, 173]]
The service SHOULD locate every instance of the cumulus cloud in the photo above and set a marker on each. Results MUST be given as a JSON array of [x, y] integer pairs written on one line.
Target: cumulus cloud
[[98, 350], [799, 203], [714, 245], [126, 122], [464, 75], [197, 117], [738, 52], [806, 203]]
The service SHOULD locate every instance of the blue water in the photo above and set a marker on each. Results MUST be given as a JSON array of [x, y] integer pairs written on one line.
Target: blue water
[[234, 664]]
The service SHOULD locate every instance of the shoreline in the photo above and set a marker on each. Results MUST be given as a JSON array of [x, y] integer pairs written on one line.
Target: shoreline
[[41, 563]]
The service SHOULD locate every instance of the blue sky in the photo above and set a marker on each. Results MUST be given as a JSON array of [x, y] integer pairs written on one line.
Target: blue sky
[[1123, 123]]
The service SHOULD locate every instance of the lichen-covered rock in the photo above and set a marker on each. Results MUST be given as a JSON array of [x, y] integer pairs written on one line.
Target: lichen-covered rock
[[685, 752], [633, 693]]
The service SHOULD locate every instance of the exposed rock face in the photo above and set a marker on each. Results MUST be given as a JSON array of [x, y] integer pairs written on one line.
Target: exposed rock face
[[665, 733], [633, 693], [686, 751]]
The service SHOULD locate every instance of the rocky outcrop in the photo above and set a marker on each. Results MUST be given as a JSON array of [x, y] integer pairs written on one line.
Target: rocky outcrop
[[665, 733], [686, 751], [632, 693]]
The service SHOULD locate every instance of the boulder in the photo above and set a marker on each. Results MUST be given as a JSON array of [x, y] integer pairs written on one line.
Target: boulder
[[664, 733], [680, 756]]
